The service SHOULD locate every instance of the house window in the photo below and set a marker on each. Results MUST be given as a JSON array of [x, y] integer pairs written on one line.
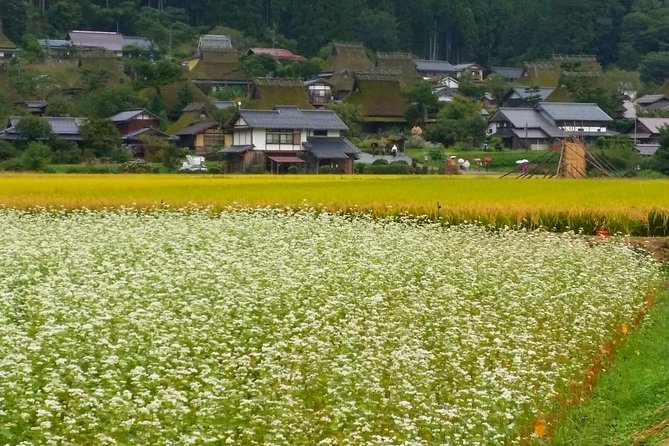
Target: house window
[[281, 136], [320, 133]]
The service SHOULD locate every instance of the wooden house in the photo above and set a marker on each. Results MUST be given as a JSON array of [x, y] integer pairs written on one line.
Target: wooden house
[[319, 92], [202, 137], [129, 121], [274, 140], [63, 128]]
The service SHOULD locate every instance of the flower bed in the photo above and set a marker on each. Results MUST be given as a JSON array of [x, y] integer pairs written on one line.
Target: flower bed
[[248, 327]]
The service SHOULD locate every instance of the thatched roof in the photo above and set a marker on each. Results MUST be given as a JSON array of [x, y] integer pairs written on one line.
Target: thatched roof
[[269, 92], [400, 62], [547, 73], [5, 43], [379, 96], [218, 66], [347, 56], [170, 93]]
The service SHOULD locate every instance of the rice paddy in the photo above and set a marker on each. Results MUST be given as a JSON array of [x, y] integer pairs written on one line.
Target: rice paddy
[[637, 207]]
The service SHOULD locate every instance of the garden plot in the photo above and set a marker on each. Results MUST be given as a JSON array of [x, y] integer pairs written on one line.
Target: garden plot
[[270, 327]]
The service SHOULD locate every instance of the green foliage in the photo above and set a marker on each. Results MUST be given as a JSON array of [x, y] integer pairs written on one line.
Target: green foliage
[[583, 88], [93, 78], [470, 87], [7, 150], [60, 105], [660, 160], [498, 87], [66, 152], [423, 102], [293, 170], [229, 94], [101, 137], [459, 121], [260, 65], [162, 150], [33, 128], [654, 67], [31, 51], [36, 156], [105, 102], [379, 30], [148, 73], [325, 169], [351, 115], [533, 97]]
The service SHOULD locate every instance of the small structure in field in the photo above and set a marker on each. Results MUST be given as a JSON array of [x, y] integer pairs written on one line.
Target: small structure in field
[[573, 160]]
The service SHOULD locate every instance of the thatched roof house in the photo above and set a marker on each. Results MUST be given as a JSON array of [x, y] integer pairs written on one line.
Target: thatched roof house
[[379, 96], [269, 93], [401, 63], [347, 56]]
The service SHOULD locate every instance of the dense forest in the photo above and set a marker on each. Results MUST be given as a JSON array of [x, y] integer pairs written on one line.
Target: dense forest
[[624, 33]]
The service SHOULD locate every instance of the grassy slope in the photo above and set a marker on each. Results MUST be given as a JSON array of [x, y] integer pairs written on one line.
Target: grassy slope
[[630, 403]]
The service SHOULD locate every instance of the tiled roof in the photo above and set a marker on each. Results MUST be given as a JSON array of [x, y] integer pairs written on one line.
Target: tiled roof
[[212, 42], [97, 39], [127, 115], [654, 124], [150, 131], [650, 99], [564, 111], [285, 117], [439, 66], [508, 73], [647, 149], [323, 147], [521, 118], [65, 127]]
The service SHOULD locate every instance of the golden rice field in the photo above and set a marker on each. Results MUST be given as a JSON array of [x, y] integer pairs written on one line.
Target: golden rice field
[[639, 207]]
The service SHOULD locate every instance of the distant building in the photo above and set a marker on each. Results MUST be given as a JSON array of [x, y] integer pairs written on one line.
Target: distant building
[[216, 65], [280, 54], [539, 127], [83, 43], [63, 128], [7, 48], [274, 140]]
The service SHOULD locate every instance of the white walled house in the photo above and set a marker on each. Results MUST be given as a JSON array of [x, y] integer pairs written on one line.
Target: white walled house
[[273, 140]]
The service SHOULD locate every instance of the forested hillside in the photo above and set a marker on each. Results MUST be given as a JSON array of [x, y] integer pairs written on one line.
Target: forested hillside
[[627, 33]]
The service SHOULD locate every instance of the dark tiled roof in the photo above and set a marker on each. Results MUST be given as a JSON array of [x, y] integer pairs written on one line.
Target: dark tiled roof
[[525, 92], [564, 111], [64, 127], [508, 73], [284, 117], [127, 115], [521, 118], [439, 66], [323, 147], [212, 42], [654, 124], [151, 131], [237, 149], [97, 39]]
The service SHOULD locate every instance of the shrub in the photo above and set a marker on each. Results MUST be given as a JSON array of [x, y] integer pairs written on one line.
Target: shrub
[[293, 170], [359, 168], [120, 155], [257, 169], [137, 166], [36, 156], [325, 169], [380, 161], [388, 169]]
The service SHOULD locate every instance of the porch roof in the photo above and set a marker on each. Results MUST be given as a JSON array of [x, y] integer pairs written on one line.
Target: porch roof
[[237, 149], [286, 159]]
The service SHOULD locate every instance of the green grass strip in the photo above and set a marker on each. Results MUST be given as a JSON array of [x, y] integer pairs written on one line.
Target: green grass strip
[[630, 403]]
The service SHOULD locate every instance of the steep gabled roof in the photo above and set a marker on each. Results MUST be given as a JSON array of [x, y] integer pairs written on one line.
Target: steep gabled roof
[[218, 66], [197, 127], [565, 111], [650, 99], [213, 42], [654, 125], [525, 92], [270, 92], [527, 118], [379, 96], [5, 43], [286, 117], [347, 56], [127, 115], [399, 62]]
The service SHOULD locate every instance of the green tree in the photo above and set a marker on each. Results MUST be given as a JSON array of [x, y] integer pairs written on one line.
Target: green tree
[[379, 30], [498, 87], [17, 10], [160, 149], [101, 137], [33, 128], [105, 102], [93, 78], [460, 122], [260, 65], [660, 161], [351, 115], [654, 67], [423, 102], [470, 87], [36, 156]]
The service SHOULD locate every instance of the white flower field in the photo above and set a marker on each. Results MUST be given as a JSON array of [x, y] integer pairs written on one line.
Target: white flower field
[[268, 327]]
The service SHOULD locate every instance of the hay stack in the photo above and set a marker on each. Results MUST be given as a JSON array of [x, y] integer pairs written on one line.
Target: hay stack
[[572, 160]]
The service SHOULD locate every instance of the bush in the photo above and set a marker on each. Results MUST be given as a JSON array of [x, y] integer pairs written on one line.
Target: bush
[[36, 156], [257, 169], [137, 166], [11, 165], [359, 168], [293, 170], [388, 169], [380, 162], [325, 169], [120, 155], [68, 155]]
